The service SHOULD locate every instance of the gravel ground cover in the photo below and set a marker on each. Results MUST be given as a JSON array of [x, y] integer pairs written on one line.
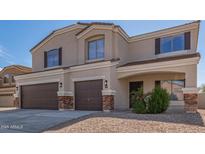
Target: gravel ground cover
[[127, 122]]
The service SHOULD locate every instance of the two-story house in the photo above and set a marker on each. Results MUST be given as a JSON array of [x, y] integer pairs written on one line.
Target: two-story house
[[95, 66], [8, 85]]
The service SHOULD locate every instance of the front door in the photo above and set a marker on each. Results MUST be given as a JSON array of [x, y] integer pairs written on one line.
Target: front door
[[134, 86]]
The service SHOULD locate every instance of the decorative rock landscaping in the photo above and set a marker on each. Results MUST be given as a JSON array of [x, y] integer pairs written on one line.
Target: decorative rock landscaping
[[121, 122]]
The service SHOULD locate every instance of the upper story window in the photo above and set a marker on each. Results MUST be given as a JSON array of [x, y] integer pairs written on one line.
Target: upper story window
[[53, 58], [173, 43], [6, 78], [96, 49], [169, 44]]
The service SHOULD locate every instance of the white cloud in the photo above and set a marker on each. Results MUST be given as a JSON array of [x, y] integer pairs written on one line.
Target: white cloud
[[5, 56]]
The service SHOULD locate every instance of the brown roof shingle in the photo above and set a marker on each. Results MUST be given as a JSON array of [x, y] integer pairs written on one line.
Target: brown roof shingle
[[162, 59]]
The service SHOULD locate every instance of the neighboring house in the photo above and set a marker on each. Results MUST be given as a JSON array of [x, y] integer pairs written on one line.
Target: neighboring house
[[8, 85], [95, 66]]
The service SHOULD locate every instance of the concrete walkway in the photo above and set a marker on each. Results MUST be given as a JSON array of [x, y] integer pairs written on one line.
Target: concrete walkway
[[35, 121]]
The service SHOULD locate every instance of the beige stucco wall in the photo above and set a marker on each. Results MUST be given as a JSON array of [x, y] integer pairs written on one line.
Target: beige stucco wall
[[121, 48], [67, 41], [189, 70], [116, 46], [122, 94], [149, 79], [109, 73], [74, 53], [82, 51], [71, 77], [145, 49], [201, 100], [74, 49]]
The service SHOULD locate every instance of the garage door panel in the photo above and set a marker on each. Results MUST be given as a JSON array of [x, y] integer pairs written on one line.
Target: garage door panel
[[41, 96], [88, 95]]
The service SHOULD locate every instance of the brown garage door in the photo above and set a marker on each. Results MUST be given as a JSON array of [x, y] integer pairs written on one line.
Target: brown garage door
[[88, 95], [40, 96]]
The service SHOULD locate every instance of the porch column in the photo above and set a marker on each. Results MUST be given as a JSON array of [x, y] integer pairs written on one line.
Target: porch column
[[65, 100], [108, 99], [190, 99]]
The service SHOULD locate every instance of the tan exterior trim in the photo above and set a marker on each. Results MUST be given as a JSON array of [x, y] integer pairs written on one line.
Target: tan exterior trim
[[91, 66], [104, 27], [157, 65], [39, 81], [192, 90], [175, 53], [88, 78], [108, 92], [65, 93], [39, 74]]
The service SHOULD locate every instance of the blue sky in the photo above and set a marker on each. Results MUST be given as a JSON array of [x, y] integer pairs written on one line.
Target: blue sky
[[18, 37]]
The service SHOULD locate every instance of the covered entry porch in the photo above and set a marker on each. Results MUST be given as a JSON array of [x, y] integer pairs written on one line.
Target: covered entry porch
[[172, 82], [177, 75]]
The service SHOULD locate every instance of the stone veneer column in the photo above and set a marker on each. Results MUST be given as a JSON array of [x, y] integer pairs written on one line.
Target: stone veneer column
[[108, 99], [190, 100], [65, 101]]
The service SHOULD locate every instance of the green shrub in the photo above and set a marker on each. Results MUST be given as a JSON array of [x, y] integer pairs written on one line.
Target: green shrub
[[138, 103], [139, 106], [159, 100], [137, 95]]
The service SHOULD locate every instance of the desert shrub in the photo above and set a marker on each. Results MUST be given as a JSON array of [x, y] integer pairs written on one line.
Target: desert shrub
[[159, 100], [139, 106], [137, 100]]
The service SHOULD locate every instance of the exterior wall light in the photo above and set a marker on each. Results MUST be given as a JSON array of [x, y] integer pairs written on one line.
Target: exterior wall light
[[60, 84], [106, 84]]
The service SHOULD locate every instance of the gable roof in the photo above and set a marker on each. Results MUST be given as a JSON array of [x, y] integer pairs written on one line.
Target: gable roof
[[19, 67], [55, 32], [91, 24], [88, 26]]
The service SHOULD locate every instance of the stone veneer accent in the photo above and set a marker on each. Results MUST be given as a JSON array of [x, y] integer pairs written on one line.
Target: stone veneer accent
[[108, 102], [191, 102], [16, 102], [65, 102]]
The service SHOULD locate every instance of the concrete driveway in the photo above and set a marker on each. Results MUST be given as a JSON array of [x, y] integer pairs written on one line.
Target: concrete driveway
[[35, 121]]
